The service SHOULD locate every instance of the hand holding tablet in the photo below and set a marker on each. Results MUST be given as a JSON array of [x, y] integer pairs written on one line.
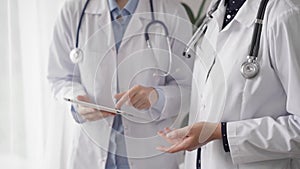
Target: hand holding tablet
[[92, 112]]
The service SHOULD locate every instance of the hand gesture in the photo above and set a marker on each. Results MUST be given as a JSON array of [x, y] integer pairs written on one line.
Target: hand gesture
[[190, 137]]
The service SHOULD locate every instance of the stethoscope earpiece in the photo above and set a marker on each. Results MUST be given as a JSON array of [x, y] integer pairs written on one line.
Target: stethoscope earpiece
[[76, 55], [187, 55]]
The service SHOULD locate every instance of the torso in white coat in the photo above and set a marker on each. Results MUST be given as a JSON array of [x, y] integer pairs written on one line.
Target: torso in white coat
[[103, 72], [262, 113]]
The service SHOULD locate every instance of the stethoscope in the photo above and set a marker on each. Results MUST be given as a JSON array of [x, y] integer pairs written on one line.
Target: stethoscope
[[76, 54], [250, 68]]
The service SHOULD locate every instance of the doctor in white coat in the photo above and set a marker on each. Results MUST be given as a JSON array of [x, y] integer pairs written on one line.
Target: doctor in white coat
[[129, 72], [259, 124]]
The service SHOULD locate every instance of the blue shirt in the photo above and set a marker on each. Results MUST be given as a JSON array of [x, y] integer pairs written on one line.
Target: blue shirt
[[116, 158], [120, 18]]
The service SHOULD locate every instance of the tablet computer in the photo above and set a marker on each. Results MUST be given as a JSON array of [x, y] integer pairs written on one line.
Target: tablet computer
[[104, 108], [95, 106]]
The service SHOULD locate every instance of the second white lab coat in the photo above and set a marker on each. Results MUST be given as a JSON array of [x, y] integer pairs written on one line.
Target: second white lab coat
[[102, 71], [263, 113]]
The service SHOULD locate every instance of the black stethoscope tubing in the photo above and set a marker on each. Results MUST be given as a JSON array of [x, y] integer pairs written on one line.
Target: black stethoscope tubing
[[254, 49], [80, 23], [250, 68], [154, 21]]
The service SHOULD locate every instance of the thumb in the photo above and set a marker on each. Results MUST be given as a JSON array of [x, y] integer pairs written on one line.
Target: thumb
[[84, 98], [178, 133]]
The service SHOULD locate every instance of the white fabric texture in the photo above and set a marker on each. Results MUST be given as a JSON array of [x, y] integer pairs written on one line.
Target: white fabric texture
[[262, 114]]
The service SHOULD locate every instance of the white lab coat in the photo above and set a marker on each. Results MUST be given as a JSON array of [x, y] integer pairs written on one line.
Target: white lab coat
[[97, 76], [263, 113]]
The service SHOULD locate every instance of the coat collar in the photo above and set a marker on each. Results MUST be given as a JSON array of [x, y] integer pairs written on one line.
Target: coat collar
[[219, 14], [97, 7], [248, 12], [140, 18], [101, 7]]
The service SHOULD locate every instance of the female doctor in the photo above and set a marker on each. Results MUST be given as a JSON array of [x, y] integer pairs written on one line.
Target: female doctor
[[259, 124], [118, 67]]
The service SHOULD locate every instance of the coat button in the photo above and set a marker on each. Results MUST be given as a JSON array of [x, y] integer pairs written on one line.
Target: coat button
[[102, 160], [201, 96]]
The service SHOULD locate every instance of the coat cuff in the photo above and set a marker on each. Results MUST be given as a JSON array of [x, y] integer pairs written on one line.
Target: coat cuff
[[76, 116], [224, 137], [233, 141]]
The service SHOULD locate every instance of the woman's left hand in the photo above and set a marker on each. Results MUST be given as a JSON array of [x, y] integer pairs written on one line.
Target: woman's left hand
[[190, 137]]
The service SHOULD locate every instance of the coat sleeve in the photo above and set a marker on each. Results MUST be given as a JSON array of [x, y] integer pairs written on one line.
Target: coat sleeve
[[63, 75], [267, 138], [177, 88]]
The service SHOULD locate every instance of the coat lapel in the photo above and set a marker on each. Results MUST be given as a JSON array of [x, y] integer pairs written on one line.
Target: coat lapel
[[218, 15], [100, 7]]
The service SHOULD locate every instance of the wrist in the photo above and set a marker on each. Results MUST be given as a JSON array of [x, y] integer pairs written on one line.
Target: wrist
[[153, 96], [217, 133], [214, 128]]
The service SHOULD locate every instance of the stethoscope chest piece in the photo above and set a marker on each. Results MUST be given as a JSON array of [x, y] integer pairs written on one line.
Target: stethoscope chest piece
[[250, 69], [76, 55]]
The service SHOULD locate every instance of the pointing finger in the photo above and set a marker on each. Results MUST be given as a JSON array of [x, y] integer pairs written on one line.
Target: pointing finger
[[119, 95], [122, 100]]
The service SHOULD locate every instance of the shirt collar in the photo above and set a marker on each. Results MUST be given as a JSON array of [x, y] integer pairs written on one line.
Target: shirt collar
[[226, 2], [129, 7], [112, 5]]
